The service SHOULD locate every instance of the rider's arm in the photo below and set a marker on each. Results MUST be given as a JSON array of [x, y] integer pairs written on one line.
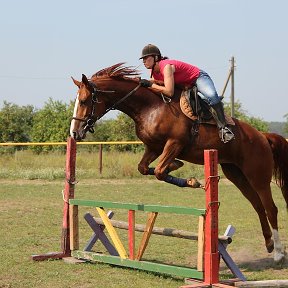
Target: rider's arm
[[168, 88]]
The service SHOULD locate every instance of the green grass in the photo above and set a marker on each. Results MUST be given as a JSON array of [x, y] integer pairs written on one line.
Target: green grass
[[31, 220], [51, 166], [31, 216]]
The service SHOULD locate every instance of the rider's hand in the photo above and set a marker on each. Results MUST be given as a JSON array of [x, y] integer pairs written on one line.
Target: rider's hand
[[145, 83]]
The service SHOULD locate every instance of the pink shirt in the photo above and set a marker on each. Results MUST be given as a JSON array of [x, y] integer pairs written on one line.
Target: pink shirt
[[185, 74]]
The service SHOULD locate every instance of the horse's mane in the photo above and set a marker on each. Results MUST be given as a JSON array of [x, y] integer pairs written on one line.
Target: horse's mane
[[117, 71]]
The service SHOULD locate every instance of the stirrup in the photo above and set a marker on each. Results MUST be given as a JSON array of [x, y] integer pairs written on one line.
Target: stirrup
[[226, 134]]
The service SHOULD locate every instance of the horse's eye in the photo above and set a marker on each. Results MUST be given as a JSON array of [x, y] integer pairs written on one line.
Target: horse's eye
[[82, 102]]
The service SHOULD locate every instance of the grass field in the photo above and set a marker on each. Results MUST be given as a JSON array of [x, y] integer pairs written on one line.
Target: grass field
[[31, 219], [51, 166]]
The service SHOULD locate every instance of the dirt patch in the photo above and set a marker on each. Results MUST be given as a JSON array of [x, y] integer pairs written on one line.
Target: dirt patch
[[252, 261]]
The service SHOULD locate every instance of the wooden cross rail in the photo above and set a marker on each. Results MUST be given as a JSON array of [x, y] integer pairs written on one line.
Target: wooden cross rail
[[118, 248], [170, 232], [97, 225]]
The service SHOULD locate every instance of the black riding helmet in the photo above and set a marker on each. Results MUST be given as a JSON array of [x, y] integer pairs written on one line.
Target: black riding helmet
[[150, 50]]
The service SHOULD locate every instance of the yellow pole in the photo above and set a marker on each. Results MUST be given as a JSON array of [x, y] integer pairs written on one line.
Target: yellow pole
[[113, 234]]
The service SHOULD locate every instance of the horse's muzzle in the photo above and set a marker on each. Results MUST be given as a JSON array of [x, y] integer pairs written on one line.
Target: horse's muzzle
[[78, 135]]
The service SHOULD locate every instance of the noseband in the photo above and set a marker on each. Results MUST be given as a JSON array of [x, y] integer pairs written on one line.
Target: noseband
[[92, 119]]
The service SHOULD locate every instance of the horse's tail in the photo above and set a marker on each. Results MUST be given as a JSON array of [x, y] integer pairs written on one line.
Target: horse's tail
[[279, 147]]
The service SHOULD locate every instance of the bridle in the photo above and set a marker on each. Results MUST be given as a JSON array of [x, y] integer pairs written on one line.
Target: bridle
[[91, 119]]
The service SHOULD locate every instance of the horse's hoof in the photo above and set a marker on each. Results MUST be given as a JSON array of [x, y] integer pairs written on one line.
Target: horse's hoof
[[194, 183], [176, 164], [279, 258], [270, 246]]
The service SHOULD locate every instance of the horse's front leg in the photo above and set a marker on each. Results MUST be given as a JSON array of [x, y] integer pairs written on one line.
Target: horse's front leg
[[148, 157], [171, 150], [168, 163]]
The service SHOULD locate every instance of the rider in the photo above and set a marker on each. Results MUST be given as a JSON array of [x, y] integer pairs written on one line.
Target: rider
[[173, 72]]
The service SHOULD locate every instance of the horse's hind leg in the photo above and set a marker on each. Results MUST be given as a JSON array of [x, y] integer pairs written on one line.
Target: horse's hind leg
[[265, 195], [235, 175], [262, 201], [260, 181]]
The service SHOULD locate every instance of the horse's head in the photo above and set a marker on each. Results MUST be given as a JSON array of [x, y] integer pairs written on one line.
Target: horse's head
[[114, 86], [88, 108]]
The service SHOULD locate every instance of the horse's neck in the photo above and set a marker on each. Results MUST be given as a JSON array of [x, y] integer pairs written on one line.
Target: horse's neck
[[138, 103]]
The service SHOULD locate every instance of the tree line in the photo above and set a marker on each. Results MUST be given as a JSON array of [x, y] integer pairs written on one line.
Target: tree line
[[51, 123]]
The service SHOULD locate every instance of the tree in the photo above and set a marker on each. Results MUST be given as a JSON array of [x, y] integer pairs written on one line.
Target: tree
[[123, 129], [16, 123], [51, 124], [286, 124], [102, 131], [120, 129], [241, 114]]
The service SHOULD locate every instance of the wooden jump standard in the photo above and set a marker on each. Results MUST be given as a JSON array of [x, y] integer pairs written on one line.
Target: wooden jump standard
[[208, 222], [68, 193]]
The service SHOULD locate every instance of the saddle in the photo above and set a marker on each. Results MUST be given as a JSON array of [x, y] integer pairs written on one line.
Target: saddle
[[197, 109]]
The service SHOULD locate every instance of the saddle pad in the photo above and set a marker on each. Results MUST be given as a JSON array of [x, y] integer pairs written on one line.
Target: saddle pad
[[185, 105], [187, 110]]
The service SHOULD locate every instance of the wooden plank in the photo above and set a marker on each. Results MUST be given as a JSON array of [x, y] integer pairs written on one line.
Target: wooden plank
[[49, 255], [230, 231], [146, 235], [92, 223], [200, 255], [68, 193], [140, 207], [230, 263], [169, 232], [141, 265], [131, 234], [113, 234], [74, 227], [99, 234], [73, 260], [194, 283], [263, 283], [227, 258]]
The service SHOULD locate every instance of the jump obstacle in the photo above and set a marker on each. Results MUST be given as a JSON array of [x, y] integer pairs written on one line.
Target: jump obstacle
[[210, 246]]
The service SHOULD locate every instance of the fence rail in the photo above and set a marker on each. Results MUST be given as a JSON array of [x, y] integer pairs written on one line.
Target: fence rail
[[65, 143]]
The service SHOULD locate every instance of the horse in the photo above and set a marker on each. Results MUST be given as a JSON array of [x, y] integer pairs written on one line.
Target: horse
[[249, 161]]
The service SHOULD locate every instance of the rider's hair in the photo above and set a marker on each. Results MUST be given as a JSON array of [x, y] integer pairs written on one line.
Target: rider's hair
[[159, 58]]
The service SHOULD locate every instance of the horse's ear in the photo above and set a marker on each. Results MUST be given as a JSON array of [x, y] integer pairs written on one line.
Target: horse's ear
[[77, 83], [85, 80]]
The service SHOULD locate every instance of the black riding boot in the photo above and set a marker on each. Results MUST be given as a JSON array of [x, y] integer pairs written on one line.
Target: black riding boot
[[225, 133]]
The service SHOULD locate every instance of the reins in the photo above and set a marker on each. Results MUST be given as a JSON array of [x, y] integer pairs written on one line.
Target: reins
[[119, 101], [91, 119]]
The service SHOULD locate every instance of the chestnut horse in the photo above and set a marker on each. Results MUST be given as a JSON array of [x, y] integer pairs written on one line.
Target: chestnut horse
[[249, 161]]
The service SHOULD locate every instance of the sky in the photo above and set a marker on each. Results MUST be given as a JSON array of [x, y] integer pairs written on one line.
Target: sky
[[44, 43]]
